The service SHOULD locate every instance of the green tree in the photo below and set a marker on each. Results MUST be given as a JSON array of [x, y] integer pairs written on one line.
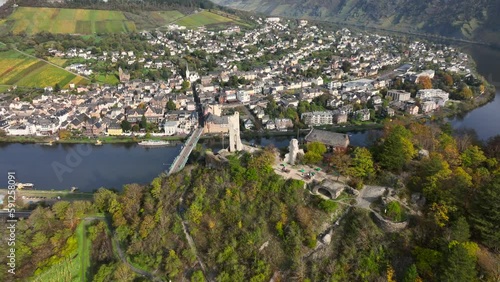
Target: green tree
[[173, 265], [57, 88], [486, 214], [125, 125], [185, 85], [459, 266], [171, 105], [144, 122], [315, 152], [362, 163], [397, 149], [459, 230], [473, 156], [197, 276], [60, 208], [411, 274], [316, 147], [105, 273], [346, 66]]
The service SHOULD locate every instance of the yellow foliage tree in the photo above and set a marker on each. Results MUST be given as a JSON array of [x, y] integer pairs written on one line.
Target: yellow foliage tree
[[390, 273], [425, 82], [64, 134]]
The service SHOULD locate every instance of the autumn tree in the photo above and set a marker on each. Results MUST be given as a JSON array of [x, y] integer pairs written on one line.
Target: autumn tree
[[465, 93], [448, 80], [424, 82], [64, 134]]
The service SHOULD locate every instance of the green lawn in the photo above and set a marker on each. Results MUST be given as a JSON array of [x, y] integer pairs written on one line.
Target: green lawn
[[201, 19], [81, 21], [107, 78]]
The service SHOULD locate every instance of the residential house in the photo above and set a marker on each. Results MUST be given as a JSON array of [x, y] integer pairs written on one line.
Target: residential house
[[412, 109], [114, 129]]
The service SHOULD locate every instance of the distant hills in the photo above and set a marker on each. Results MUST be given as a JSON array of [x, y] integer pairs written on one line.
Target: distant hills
[[474, 20]]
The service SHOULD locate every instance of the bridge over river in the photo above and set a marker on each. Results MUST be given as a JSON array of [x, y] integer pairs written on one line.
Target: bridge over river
[[181, 160]]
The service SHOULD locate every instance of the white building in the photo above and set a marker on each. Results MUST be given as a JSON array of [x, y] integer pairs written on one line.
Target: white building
[[398, 95], [439, 96], [317, 118], [170, 127], [243, 96]]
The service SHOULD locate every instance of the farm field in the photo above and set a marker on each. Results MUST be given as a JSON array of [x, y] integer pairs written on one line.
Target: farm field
[[201, 19], [58, 61], [18, 69], [166, 17], [33, 20]]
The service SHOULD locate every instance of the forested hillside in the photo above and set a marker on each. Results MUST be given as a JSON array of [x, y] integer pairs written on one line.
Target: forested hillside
[[237, 220], [462, 19]]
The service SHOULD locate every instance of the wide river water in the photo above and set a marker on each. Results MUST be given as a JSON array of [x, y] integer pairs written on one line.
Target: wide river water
[[112, 166]]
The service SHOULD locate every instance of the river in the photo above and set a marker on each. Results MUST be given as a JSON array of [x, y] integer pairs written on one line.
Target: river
[[89, 167], [486, 119], [112, 166]]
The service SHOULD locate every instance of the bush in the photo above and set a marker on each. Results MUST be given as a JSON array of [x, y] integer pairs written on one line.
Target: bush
[[356, 183], [328, 206], [395, 212]]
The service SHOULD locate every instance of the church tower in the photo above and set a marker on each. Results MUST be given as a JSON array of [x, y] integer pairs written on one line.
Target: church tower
[[187, 72]]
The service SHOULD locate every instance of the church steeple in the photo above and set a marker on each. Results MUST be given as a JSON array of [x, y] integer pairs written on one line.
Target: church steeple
[[187, 71]]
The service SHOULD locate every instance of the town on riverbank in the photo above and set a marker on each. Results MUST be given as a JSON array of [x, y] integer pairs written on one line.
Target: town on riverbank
[[282, 76]]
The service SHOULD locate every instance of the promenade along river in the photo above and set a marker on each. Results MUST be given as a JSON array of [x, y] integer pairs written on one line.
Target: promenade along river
[[89, 167]]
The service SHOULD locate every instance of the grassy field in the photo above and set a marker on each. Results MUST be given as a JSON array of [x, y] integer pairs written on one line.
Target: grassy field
[[107, 78], [18, 69], [202, 19], [80, 21], [166, 17], [4, 88]]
